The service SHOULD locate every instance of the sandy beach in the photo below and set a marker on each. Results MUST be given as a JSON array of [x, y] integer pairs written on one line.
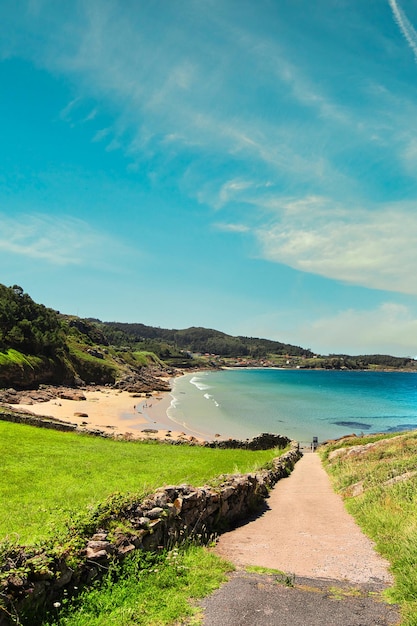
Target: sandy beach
[[119, 413]]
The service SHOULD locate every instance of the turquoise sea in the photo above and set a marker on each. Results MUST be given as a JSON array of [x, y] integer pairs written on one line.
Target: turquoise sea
[[301, 404]]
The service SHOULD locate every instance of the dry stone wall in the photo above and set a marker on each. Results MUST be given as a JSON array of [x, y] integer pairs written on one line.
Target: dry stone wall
[[172, 513]]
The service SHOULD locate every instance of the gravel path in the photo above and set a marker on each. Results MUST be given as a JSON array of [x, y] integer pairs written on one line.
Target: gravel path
[[333, 574]]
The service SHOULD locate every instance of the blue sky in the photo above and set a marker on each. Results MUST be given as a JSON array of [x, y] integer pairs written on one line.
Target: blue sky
[[239, 165]]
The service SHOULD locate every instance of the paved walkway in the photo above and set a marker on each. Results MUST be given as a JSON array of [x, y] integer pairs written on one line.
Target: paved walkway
[[307, 533], [255, 600]]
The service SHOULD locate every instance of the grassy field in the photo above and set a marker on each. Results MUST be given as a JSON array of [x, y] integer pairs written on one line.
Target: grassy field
[[48, 477], [379, 485]]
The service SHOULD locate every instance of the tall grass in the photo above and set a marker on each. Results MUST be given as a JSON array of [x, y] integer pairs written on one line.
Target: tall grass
[[47, 477], [386, 510]]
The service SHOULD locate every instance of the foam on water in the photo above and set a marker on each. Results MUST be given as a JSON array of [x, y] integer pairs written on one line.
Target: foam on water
[[196, 380], [297, 403]]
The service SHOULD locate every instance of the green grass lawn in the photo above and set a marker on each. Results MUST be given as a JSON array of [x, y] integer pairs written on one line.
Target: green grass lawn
[[48, 476], [386, 510]]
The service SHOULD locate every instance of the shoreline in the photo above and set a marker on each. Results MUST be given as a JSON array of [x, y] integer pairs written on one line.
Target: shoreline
[[117, 413], [154, 411]]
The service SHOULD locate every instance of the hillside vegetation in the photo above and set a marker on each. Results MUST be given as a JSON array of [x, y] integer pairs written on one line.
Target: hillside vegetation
[[174, 346], [377, 478], [40, 345], [196, 340]]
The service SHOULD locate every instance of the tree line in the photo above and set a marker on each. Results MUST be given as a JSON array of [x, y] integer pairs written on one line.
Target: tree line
[[197, 340], [28, 327], [34, 329]]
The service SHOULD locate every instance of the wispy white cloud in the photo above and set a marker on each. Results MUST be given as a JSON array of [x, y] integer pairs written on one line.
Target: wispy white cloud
[[390, 328], [101, 134], [177, 85], [409, 156], [232, 228], [73, 113], [174, 91], [234, 190], [60, 241], [68, 109], [386, 328], [166, 82], [405, 26], [306, 93], [90, 116], [375, 249]]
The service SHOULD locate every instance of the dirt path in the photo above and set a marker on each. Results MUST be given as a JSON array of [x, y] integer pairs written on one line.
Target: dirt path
[[332, 574], [306, 531]]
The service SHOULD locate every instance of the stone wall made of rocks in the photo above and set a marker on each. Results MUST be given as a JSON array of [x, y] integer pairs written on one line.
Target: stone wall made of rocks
[[264, 441], [19, 417], [171, 514]]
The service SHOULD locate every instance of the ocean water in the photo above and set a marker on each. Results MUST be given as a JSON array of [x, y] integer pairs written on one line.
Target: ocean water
[[300, 404]]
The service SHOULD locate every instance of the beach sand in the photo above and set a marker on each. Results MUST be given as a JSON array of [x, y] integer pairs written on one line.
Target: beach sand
[[119, 413]]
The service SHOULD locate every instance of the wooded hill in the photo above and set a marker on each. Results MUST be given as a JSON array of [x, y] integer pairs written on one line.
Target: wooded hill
[[195, 340], [170, 345], [40, 345]]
